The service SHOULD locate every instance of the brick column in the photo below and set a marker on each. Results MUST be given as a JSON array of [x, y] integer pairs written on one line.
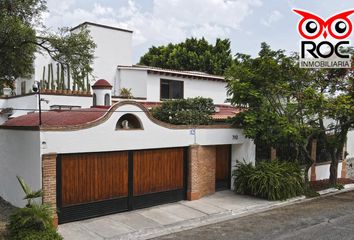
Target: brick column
[[49, 182], [313, 156], [344, 169], [273, 153], [201, 176]]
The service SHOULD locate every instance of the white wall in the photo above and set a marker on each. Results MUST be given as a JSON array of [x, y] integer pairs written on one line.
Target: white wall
[[322, 171], [114, 48], [104, 137], [29, 103], [215, 90], [83, 101], [242, 152], [136, 80], [20, 155]]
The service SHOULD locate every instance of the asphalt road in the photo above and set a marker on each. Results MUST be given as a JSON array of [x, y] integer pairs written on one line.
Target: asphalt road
[[330, 217]]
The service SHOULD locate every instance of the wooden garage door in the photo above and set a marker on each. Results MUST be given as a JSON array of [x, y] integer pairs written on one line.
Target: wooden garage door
[[94, 184], [223, 167], [158, 176]]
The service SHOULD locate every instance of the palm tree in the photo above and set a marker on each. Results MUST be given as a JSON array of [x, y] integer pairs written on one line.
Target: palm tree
[[29, 193]]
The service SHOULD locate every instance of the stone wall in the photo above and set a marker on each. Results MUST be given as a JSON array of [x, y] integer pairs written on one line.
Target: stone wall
[[201, 179]]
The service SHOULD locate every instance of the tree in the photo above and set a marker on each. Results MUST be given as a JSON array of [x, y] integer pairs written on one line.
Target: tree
[[335, 111], [286, 104], [191, 55], [20, 39]]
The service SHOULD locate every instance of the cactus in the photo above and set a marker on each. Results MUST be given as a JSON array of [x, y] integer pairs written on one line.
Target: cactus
[[68, 72], [43, 79], [62, 82], [49, 83], [58, 77], [52, 76]]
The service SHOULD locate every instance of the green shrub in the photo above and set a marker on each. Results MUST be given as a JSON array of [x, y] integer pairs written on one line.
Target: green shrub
[[191, 111], [35, 221], [273, 180], [37, 217], [49, 234]]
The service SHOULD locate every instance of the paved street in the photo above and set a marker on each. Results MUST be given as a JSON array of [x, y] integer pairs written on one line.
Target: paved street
[[329, 218]]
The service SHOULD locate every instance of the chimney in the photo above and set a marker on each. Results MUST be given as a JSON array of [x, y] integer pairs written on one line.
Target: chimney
[[102, 91]]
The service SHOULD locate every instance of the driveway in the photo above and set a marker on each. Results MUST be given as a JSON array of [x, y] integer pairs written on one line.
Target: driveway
[[330, 217], [164, 219]]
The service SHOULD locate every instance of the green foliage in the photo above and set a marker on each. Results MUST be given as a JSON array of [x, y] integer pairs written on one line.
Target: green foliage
[[35, 221], [29, 194], [19, 42], [37, 217], [126, 93], [191, 111], [286, 104], [49, 234], [273, 180], [191, 55]]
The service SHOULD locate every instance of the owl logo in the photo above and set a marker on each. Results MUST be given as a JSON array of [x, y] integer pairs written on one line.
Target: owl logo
[[311, 26]]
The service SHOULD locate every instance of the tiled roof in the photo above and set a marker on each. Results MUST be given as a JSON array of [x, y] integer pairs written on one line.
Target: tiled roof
[[58, 118], [102, 83]]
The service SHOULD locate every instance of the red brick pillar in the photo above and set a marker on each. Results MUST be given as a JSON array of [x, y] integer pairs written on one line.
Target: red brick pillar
[[201, 176], [49, 182], [344, 169], [273, 153], [313, 156]]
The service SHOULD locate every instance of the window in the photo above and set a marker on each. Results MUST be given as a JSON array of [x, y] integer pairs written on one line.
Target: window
[[171, 89], [129, 122], [94, 100], [107, 100]]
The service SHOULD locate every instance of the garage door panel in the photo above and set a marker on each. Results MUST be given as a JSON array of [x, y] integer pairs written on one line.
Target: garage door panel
[[95, 184], [158, 171], [93, 177]]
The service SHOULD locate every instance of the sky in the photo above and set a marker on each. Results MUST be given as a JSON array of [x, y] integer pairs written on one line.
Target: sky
[[246, 23]]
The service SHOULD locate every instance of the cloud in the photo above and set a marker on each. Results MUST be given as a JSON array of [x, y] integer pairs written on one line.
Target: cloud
[[273, 17], [166, 21]]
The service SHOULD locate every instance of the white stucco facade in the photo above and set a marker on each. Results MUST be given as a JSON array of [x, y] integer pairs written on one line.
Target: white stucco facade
[[350, 144], [102, 137], [20, 156]]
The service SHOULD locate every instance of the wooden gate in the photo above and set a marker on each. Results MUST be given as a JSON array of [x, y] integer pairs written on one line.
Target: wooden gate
[[223, 167], [95, 184]]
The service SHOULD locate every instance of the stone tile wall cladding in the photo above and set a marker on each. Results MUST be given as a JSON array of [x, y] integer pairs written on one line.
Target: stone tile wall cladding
[[201, 179]]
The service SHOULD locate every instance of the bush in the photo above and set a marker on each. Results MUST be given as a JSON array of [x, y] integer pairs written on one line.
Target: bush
[[49, 234], [191, 111], [36, 217], [35, 221], [273, 180]]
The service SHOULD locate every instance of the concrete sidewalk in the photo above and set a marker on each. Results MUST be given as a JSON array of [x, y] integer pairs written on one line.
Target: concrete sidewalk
[[168, 218]]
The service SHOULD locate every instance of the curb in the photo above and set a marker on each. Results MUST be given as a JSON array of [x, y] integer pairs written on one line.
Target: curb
[[226, 215]]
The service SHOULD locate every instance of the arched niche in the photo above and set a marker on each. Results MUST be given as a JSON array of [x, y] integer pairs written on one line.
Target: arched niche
[[129, 122]]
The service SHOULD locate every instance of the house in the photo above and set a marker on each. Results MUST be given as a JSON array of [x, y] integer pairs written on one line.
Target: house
[[96, 152], [111, 158]]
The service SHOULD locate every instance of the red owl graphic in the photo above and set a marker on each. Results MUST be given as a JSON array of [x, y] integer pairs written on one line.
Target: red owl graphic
[[311, 26]]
